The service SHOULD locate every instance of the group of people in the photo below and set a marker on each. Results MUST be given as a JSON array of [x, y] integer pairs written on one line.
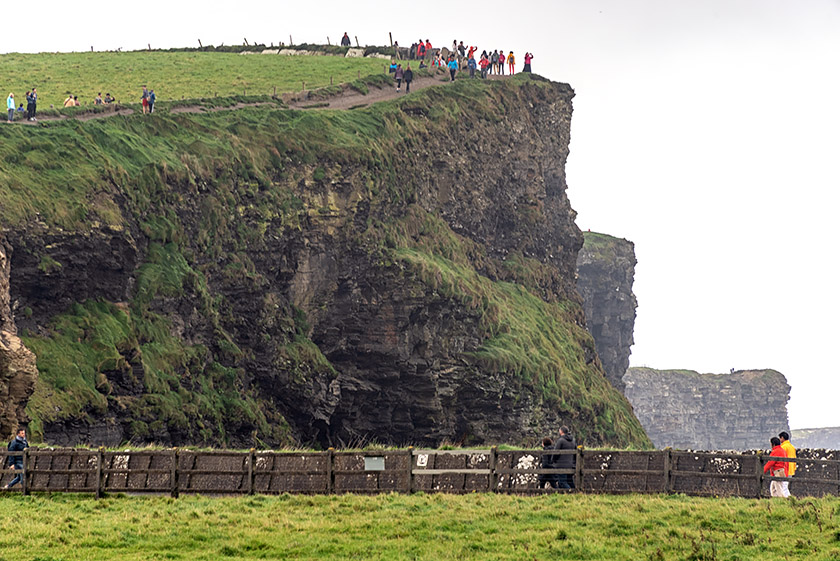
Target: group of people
[[782, 448], [565, 441], [31, 105]]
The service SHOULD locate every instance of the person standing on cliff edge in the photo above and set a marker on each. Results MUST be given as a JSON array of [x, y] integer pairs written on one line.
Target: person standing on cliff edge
[[790, 467]]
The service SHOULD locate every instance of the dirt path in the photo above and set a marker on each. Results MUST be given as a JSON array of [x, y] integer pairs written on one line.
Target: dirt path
[[347, 100], [353, 100]]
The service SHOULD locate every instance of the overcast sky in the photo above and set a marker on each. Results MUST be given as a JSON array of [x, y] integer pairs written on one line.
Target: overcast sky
[[705, 131]]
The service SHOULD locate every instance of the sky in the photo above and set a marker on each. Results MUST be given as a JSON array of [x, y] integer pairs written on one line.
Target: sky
[[705, 131]]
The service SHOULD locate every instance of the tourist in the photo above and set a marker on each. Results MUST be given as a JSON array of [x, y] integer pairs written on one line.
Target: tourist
[[547, 462], [511, 63], [98, 99], [790, 467], [502, 62], [776, 469], [471, 51], [462, 50], [152, 98], [453, 67], [393, 67], [345, 41], [408, 76], [10, 104], [494, 62], [19, 444], [76, 101], [109, 99], [398, 76], [69, 101], [565, 461], [20, 109], [528, 58], [31, 103], [421, 51], [471, 65], [412, 51], [144, 100], [483, 64]]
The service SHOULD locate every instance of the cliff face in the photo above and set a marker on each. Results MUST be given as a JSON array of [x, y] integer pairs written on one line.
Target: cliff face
[[605, 267], [17, 363], [402, 274], [687, 410], [826, 438]]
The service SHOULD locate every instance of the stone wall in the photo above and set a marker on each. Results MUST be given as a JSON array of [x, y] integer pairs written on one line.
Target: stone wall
[[605, 268], [687, 410]]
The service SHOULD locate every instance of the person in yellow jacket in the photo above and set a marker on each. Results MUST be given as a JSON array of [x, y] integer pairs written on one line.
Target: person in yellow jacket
[[790, 452]]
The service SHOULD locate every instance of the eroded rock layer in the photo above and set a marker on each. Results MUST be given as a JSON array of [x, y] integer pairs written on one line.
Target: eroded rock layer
[[687, 410]]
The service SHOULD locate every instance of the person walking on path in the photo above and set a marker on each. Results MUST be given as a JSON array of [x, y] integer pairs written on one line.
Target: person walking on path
[[565, 461], [345, 41], [471, 65], [790, 467], [152, 98], [453, 67], [511, 63], [19, 444], [10, 105], [776, 469], [144, 100], [398, 75], [528, 58], [502, 62], [408, 76], [33, 96]]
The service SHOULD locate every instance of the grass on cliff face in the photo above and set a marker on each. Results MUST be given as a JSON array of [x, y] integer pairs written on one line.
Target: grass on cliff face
[[173, 75], [420, 527], [539, 342]]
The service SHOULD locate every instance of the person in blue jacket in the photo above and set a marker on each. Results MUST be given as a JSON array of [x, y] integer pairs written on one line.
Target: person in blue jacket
[[471, 65], [19, 444], [10, 105], [453, 68]]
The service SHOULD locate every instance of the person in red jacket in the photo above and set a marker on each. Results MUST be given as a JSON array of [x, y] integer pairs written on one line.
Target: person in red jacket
[[777, 469]]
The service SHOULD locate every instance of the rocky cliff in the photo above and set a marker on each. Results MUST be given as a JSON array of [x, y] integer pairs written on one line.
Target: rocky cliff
[[403, 273], [825, 438], [687, 410], [605, 267]]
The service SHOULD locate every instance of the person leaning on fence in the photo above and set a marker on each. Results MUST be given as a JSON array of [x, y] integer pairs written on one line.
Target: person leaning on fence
[[776, 469], [565, 441], [790, 467], [19, 444], [547, 462]]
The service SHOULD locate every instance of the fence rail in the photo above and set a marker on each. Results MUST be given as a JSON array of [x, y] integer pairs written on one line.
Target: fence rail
[[177, 471]]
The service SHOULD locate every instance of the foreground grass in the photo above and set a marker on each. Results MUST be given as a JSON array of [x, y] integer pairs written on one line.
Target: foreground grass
[[433, 527], [172, 75]]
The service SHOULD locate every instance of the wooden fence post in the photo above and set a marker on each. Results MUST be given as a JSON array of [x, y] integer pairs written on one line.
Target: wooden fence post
[[357, 40], [410, 471], [24, 475], [330, 474], [579, 468], [251, 458], [492, 481], [173, 474], [759, 472], [99, 472]]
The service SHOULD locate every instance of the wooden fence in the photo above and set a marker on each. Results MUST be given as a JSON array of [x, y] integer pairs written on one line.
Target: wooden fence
[[178, 471]]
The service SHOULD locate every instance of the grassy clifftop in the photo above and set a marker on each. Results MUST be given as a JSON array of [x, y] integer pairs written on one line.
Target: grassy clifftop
[[215, 206]]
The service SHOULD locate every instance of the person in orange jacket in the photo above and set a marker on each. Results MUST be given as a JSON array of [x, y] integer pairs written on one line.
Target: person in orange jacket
[[776, 469], [511, 63], [790, 467]]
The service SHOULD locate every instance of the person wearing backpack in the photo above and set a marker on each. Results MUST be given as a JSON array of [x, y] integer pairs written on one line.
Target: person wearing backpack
[[494, 62], [511, 63], [19, 444]]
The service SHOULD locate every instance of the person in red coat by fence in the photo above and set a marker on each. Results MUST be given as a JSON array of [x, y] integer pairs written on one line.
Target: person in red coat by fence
[[777, 469]]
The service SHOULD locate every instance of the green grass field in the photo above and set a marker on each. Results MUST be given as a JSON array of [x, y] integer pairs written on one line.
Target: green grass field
[[172, 75], [426, 527]]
